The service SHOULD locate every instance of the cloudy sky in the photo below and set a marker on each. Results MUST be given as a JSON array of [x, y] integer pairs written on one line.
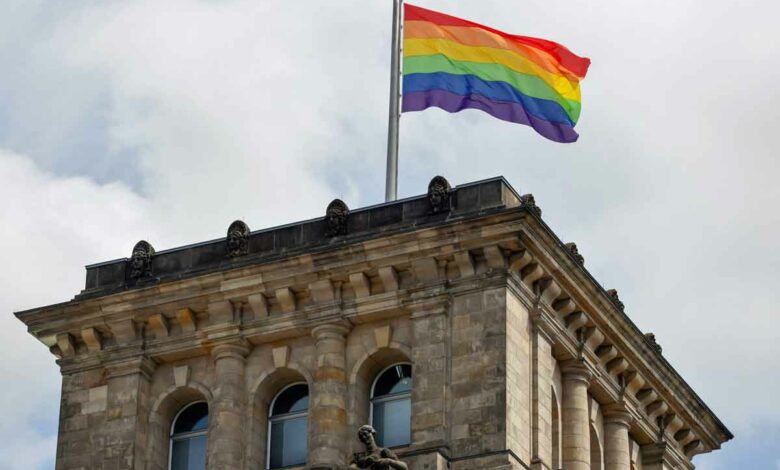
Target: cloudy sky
[[168, 120]]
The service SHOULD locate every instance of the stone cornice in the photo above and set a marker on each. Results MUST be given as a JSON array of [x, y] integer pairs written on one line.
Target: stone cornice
[[408, 270], [618, 329]]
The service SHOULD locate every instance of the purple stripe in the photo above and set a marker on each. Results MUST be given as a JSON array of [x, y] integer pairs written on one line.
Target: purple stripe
[[512, 112]]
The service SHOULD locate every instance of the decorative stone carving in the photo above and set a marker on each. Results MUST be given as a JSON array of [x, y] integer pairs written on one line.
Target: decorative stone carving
[[575, 252], [140, 263], [336, 218], [613, 295], [528, 203], [439, 195], [237, 239], [375, 457], [651, 339]]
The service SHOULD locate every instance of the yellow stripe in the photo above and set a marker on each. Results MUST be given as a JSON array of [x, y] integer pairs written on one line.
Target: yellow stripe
[[484, 38], [490, 55]]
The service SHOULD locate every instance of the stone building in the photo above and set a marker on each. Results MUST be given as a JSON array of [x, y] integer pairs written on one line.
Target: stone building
[[456, 322]]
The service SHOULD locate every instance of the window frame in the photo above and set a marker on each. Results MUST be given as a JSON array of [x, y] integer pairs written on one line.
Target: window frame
[[187, 435], [284, 417], [392, 397]]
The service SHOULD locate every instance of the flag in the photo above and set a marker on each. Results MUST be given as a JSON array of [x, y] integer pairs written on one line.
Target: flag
[[455, 64]]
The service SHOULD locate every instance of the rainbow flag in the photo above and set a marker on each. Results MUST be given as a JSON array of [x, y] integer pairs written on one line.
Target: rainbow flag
[[454, 64]]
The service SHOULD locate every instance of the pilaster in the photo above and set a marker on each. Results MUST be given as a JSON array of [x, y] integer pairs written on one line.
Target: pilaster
[[227, 431], [328, 409], [430, 327], [617, 452], [574, 411], [126, 424]]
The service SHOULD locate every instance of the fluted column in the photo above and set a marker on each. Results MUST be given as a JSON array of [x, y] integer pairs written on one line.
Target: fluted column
[[574, 411], [617, 453], [328, 409], [226, 433]]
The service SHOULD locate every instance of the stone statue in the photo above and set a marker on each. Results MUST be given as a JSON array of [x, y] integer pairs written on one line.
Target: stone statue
[[375, 457], [141, 260], [336, 218], [237, 239], [439, 195]]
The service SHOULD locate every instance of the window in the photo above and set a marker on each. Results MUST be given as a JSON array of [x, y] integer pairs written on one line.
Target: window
[[391, 406], [189, 435], [287, 427]]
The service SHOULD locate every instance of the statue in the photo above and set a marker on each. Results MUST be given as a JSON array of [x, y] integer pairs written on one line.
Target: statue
[[237, 239], [375, 457], [141, 260], [336, 218], [439, 195]]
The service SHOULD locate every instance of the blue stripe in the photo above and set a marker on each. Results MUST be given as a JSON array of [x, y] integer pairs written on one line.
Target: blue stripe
[[502, 92]]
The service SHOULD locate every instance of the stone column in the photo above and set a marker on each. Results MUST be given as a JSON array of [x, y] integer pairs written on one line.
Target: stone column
[[328, 442], [617, 453], [574, 411], [226, 442]]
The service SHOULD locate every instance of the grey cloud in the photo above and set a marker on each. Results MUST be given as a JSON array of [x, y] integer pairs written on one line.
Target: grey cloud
[[266, 110]]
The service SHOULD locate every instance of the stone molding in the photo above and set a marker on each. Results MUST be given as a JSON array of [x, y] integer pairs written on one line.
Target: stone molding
[[330, 331], [577, 371], [237, 350], [136, 365], [412, 273], [618, 413]]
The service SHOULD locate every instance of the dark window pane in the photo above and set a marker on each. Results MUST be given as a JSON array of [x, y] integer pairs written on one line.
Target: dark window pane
[[396, 379], [288, 442], [189, 454], [392, 421], [295, 398], [194, 418]]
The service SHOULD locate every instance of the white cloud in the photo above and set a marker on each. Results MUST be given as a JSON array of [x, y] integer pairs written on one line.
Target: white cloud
[[266, 110], [50, 228]]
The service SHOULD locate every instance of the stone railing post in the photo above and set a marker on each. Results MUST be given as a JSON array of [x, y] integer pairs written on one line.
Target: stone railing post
[[227, 430], [617, 454], [574, 411], [328, 408]]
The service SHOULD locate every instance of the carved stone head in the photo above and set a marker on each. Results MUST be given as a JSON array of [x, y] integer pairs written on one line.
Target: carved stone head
[[651, 338], [528, 202], [336, 218], [613, 294], [237, 239], [367, 435], [575, 252], [141, 260], [439, 195]]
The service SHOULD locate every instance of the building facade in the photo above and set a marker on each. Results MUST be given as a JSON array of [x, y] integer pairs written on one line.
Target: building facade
[[456, 323]]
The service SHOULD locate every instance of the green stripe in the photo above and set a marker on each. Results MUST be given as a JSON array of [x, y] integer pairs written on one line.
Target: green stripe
[[528, 85]]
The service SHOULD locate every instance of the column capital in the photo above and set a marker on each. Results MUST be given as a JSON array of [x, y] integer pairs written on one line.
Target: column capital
[[617, 413], [138, 365], [576, 370], [659, 454], [330, 331], [235, 349]]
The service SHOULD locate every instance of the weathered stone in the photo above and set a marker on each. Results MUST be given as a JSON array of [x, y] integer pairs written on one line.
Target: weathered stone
[[517, 360]]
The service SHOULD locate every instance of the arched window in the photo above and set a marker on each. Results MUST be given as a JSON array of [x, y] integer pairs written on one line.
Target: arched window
[[391, 406], [189, 435], [288, 424]]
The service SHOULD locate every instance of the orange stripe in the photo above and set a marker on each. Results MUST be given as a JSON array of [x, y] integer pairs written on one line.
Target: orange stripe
[[477, 37], [571, 61], [481, 38]]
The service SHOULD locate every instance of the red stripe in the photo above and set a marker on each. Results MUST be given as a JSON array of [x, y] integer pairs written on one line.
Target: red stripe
[[572, 62]]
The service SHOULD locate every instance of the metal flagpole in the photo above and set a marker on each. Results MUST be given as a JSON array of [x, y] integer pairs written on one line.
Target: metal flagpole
[[391, 184]]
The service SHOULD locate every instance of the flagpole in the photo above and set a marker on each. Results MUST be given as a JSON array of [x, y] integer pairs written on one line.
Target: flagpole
[[391, 183]]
